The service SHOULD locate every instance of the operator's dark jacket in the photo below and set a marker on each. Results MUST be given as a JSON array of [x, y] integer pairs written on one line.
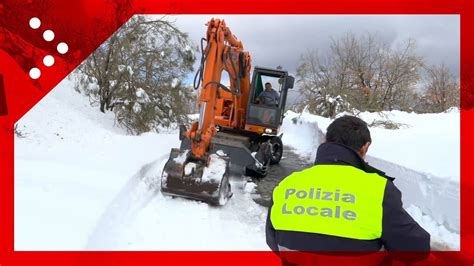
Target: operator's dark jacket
[[399, 231]]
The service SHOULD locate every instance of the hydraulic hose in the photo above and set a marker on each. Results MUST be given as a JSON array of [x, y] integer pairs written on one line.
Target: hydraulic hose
[[200, 71]]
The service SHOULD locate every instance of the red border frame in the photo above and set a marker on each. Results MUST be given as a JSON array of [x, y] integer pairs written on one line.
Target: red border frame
[[465, 8]]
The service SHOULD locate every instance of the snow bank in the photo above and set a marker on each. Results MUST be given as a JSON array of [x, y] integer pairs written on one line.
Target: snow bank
[[423, 155], [70, 165], [427, 143], [82, 183], [441, 237], [435, 196], [141, 218], [302, 132]]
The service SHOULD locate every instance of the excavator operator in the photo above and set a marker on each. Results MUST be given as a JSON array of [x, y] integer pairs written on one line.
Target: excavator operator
[[269, 96]]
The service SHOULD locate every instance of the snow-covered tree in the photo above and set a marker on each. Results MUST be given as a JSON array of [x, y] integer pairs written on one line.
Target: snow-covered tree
[[324, 104], [364, 71], [137, 74]]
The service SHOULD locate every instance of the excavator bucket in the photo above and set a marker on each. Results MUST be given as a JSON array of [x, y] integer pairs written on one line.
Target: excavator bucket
[[199, 179]]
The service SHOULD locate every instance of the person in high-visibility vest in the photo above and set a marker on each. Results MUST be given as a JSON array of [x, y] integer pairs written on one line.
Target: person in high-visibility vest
[[342, 203]]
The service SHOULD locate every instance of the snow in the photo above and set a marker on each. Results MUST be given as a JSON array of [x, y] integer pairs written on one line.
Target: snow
[[69, 166], [221, 153], [437, 231], [140, 218], [301, 132], [189, 168], [215, 170], [430, 143], [423, 155], [174, 82], [436, 197], [121, 68], [130, 71], [422, 140], [81, 183], [182, 157], [113, 83], [142, 95], [137, 108]]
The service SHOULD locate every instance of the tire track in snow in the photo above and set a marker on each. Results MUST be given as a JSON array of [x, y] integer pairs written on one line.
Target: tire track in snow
[[135, 195], [141, 218]]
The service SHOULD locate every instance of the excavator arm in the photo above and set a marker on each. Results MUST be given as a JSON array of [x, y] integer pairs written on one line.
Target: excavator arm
[[224, 52], [197, 173]]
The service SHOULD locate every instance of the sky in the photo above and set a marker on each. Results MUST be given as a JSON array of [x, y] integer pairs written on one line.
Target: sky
[[274, 40]]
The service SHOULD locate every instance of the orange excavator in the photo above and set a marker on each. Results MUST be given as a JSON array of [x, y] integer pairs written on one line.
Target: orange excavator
[[237, 130]]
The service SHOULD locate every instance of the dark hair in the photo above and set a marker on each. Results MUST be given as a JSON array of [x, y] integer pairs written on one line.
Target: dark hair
[[268, 83], [350, 131]]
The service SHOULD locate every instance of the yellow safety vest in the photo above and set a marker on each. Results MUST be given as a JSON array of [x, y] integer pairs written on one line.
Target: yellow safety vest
[[336, 200]]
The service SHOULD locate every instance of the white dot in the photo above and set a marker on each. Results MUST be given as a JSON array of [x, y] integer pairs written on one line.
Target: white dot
[[35, 23], [35, 73], [48, 35], [62, 48], [48, 60]]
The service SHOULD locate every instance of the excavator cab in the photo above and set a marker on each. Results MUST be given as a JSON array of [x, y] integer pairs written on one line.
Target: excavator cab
[[250, 150], [265, 117]]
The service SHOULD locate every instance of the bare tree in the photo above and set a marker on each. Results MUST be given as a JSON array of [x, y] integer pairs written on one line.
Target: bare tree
[[401, 75], [442, 90], [362, 71]]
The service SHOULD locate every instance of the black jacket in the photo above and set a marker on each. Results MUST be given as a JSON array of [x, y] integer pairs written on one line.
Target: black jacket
[[399, 231]]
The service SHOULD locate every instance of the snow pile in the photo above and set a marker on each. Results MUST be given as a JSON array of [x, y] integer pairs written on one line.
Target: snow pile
[[182, 157], [215, 170], [426, 142], [435, 196], [141, 218], [441, 237], [81, 183], [189, 168], [301, 132]]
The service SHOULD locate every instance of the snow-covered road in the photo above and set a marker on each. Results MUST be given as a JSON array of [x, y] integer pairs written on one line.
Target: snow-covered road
[[141, 218], [82, 183]]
